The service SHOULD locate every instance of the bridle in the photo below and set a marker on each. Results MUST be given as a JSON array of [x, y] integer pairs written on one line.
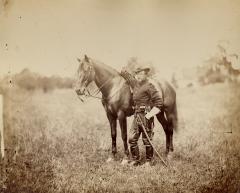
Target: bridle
[[98, 89], [88, 94], [95, 92]]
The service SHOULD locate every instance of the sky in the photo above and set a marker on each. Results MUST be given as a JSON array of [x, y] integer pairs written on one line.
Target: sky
[[47, 36]]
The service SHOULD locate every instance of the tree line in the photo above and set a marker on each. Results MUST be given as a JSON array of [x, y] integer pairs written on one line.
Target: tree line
[[31, 81]]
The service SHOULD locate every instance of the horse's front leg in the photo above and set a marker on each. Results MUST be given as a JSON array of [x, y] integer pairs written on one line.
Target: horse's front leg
[[123, 126], [113, 124]]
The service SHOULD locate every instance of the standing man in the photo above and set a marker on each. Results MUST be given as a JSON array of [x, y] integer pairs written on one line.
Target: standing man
[[147, 103]]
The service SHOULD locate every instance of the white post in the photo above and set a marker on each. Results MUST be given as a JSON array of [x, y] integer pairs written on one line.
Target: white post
[[1, 126]]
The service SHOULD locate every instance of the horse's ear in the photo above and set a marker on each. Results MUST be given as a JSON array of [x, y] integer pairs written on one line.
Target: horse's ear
[[86, 58], [78, 60]]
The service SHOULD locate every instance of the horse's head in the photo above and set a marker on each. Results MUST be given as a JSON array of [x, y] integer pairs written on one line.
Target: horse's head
[[85, 75]]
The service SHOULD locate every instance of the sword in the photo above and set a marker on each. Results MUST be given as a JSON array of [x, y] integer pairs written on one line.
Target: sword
[[144, 130]]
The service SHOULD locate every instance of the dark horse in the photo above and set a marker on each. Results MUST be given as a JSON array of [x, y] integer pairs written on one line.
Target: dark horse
[[117, 100]]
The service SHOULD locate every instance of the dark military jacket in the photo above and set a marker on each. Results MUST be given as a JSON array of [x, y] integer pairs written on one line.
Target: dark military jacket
[[146, 94]]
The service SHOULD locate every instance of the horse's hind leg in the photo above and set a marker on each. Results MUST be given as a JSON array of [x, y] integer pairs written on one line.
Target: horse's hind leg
[[172, 120], [168, 129]]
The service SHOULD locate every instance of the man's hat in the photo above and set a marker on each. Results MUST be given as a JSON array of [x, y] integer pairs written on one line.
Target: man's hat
[[140, 69]]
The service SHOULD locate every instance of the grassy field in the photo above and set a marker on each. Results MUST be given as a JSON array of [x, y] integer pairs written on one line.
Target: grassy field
[[55, 143]]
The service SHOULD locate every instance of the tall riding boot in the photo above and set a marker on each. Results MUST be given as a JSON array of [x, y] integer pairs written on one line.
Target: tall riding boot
[[135, 155], [149, 153]]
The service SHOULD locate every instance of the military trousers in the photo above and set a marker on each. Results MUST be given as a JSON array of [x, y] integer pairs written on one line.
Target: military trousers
[[136, 131]]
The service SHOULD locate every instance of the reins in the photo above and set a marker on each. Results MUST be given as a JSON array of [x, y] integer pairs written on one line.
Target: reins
[[97, 90], [90, 95]]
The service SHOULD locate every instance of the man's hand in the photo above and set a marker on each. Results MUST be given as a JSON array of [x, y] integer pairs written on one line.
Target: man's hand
[[153, 112], [148, 116]]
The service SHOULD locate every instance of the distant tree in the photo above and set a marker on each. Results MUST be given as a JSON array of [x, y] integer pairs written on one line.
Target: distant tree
[[218, 68], [133, 63], [30, 81], [26, 79], [45, 84]]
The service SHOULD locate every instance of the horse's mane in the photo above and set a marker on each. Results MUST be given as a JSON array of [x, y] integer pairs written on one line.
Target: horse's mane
[[108, 68]]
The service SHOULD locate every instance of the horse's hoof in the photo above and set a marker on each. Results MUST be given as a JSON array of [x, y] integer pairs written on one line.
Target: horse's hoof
[[124, 162], [110, 159], [147, 165], [134, 163], [170, 156]]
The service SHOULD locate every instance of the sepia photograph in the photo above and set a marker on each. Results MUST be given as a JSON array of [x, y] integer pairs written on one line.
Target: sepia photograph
[[119, 96]]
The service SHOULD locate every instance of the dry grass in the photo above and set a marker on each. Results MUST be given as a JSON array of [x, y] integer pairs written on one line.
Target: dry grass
[[57, 144]]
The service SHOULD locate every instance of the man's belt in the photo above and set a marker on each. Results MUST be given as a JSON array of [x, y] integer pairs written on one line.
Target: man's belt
[[140, 109]]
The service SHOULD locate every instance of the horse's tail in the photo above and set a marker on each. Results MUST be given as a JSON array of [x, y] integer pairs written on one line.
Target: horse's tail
[[175, 117]]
